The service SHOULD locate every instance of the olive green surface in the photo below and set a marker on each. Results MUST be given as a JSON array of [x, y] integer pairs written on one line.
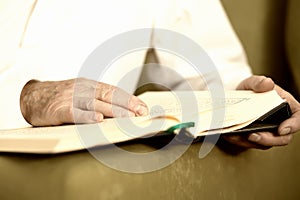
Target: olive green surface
[[253, 174], [267, 28]]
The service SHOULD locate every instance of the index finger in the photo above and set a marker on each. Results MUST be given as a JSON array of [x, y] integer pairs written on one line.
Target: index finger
[[116, 96]]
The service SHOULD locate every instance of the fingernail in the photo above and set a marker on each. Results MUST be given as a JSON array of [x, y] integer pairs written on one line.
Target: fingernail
[[285, 131], [141, 110], [98, 118], [254, 137]]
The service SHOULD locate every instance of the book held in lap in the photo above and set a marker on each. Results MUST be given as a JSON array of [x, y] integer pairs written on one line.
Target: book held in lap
[[199, 111]]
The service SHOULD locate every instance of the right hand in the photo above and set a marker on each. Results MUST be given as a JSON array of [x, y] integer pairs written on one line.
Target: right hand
[[265, 140], [76, 101]]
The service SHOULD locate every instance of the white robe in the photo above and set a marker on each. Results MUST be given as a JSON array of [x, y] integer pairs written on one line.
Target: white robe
[[52, 39]]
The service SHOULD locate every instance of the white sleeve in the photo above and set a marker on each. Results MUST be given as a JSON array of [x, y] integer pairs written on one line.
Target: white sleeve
[[206, 23], [66, 34], [13, 18], [12, 81]]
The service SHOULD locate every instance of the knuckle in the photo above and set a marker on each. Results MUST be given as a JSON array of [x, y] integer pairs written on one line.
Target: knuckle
[[106, 93], [287, 140], [81, 79], [90, 104], [132, 103], [64, 113]]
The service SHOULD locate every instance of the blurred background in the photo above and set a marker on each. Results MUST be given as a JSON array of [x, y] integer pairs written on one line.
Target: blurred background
[[270, 33]]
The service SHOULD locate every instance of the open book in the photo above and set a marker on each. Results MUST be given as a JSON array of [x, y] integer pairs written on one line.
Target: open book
[[200, 112]]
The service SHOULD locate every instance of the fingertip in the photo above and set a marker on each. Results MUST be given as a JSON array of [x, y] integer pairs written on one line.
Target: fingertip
[[254, 137], [269, 83], [141, 110], [98, 117], [290, 125], [284, 131], [264, 84]]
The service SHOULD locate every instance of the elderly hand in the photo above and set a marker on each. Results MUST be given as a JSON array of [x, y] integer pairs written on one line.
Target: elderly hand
[[264, 140], [76, 101]]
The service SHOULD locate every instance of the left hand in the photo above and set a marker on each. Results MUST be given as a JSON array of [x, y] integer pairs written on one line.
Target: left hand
[[80, 100], [265, 140]]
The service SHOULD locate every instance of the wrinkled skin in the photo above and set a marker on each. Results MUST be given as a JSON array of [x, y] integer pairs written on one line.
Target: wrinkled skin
[[76, 101]]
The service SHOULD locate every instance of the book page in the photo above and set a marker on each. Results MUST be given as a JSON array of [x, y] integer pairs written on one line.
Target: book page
[[235, 110], [210, 115], [58, 139]]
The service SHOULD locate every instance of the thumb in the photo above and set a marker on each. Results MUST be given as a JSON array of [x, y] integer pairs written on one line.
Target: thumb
[[257, 84]]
